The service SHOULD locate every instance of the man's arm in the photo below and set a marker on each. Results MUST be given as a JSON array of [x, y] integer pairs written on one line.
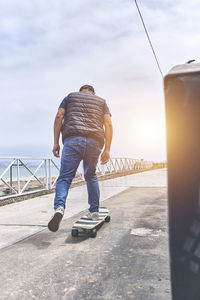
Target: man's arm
[[105, 156], [57, 128]]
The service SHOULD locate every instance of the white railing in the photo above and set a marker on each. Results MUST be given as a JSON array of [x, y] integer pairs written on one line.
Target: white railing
[[19, 175]]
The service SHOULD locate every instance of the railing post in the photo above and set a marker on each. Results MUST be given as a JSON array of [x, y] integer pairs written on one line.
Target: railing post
[[18, 177], [11, 176], [46, 174], [50, 179], [102, 170]]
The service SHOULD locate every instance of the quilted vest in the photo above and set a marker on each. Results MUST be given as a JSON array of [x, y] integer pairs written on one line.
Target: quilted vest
[[84, 116]]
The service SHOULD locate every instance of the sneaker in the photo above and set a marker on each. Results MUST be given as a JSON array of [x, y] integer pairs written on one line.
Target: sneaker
[[93, 215], [54, 223]]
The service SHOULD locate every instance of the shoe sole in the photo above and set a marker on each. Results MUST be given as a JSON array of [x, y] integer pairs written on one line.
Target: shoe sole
[[53, 225]]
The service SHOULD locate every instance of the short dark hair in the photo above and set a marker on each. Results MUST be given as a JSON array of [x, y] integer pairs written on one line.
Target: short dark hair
[[87, 87]]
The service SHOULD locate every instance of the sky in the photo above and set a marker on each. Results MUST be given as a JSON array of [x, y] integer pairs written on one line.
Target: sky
[[50, 48]]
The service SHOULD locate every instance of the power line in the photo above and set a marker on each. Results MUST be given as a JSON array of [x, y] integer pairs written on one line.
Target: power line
[[149, 39]]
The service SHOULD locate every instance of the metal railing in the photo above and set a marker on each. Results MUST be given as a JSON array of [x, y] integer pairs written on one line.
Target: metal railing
[[27, 175]]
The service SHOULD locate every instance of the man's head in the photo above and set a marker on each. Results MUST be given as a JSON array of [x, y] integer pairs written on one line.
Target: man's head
[[87, 89]]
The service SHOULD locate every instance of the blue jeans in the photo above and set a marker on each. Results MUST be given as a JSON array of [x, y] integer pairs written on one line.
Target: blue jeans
[[77, 148]]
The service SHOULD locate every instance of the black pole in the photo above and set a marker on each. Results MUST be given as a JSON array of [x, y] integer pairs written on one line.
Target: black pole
[[182, 101]]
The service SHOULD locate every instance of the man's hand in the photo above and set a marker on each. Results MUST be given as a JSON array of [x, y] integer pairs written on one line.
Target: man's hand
[[105, 157], [57, 128], [56, 150]]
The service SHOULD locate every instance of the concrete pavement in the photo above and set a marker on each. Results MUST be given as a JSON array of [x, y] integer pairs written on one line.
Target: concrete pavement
[[22, 219], [127, 260]]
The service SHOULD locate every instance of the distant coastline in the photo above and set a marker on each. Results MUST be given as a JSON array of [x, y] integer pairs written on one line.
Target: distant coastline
[[24, 174]]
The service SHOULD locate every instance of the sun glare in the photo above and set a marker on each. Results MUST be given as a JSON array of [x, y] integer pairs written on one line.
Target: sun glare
[[147, 132]]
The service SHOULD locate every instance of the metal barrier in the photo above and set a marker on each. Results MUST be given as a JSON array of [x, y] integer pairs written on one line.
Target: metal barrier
[[45, 171]]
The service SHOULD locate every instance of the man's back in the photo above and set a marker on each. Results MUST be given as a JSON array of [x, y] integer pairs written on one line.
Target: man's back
[[84, 116]]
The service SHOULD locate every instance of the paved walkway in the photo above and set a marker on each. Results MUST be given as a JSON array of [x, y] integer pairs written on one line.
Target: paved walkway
[[127, 260], [22, 219]]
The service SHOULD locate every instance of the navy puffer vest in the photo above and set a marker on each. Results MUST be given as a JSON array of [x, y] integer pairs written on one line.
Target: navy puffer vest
[[84, 116]]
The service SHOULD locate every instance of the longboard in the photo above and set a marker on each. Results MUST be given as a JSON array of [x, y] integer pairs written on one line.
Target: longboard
[[87, 226]]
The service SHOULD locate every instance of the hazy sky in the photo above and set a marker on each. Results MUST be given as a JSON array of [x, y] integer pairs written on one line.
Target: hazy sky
[[49, 48]]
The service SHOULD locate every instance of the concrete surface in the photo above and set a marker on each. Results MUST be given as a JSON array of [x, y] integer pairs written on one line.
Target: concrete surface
[[127, 260], [21, 219]]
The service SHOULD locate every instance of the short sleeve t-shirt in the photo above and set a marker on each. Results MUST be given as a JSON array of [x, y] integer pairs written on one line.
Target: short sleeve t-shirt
[[63, 104]]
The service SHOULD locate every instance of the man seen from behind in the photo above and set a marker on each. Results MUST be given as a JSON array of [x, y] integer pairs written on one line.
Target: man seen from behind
[[84, 120]]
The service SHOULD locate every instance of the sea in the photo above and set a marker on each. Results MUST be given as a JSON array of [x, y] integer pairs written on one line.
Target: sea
[[24, 173]]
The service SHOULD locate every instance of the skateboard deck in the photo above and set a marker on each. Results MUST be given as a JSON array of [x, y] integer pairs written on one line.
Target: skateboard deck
[[88, 226]]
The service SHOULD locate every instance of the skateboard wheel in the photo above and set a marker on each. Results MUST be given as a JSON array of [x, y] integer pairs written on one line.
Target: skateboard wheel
[[74, 232], [107, 219], [93, 233]]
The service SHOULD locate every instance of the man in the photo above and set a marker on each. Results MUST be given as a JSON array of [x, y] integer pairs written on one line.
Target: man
[[85, 121]]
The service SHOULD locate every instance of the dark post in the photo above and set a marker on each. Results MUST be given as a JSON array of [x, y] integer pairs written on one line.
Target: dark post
[[182, 101]]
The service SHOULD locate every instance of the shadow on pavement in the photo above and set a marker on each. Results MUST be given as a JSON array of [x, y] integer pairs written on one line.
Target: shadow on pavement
[[77, 239]]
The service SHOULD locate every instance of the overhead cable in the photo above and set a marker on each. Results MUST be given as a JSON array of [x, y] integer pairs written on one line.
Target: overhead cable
[[141, 17]]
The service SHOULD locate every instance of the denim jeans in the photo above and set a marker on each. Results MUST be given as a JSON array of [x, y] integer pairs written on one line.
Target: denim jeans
[[77, 148]]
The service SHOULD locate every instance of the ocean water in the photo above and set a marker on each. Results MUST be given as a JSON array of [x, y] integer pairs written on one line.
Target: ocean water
[[25, 174]]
